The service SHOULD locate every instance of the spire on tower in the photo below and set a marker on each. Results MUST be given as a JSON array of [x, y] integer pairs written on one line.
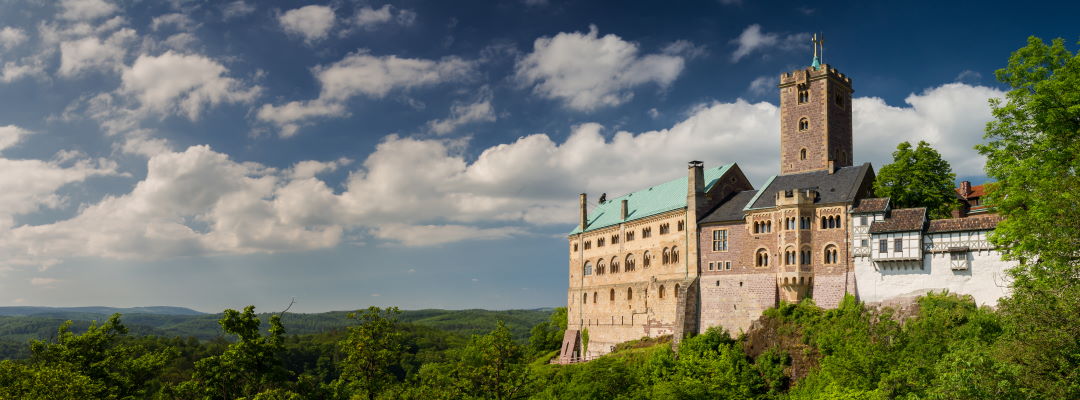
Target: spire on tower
[[818, 41]]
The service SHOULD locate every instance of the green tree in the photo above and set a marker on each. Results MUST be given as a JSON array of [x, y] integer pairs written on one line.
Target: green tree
[[1034, 153], [117, 370], [493, 365], [249, 367], [373, 353], [547, 336], [918, 177]]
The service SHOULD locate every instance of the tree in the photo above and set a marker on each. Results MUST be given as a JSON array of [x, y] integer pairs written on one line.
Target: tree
[[547, 336], [249, 367], [1034, 153], [918, 177], [112, 369], [493, 366], [373, 352]]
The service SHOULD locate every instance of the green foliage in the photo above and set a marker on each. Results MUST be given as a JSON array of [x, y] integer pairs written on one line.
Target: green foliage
[[1034, 153], [918, 177], [584, 342], [547, 336], [373, 353], [248, 367]]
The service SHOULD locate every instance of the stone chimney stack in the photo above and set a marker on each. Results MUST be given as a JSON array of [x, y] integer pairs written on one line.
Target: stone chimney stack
[[623, 214], [965, 188], [584, 211], [695, 188]]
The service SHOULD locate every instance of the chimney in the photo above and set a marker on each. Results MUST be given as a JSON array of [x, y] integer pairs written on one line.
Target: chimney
[[695, 188], [965, 188], [623, 209], [584, 211]]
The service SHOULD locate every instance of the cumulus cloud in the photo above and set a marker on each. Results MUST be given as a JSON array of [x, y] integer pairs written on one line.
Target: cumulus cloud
[[236, 9], [368, 18], [11, 37], [182, 83], [312, 23], [950, 117], [11, 135], [84, 10], [362, 74], [763, 85], [175, 20], [90, 53], [462, 114], [586, 71], [752, 39]]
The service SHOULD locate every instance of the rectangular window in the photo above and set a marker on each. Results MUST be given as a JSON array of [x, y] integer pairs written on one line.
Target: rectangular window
[[711, 266], [720, 240], [865, 243], [883, 246], [898, 245], [727, 265], [862, 220]]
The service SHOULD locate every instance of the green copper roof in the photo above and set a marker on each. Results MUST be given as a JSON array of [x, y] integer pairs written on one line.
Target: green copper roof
[[658, 199], [816, 64]]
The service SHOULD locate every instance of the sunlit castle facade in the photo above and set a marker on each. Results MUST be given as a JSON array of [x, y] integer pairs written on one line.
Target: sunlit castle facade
[[710, 250]]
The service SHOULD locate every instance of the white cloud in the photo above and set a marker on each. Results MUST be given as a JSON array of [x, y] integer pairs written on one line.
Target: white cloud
[[950, 117], [752, 39], [11, 37], [46, 282], [176, 20], [10, 135], [86, 10], [763, 85], [434, 235], [462, 114], [587, 72], [13, 71], [312, 23], [237, 9], [90, 53], [182, 83], [368, 18], [362, 74]]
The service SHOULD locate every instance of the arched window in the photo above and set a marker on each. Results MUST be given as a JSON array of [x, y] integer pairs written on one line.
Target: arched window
[[756, 229], [804, 257], [629, 293], [839, 100], [838, 221], [789, 256], [600, 267], [612, 294], [665, 257], [661, 291], [630, 263], [830, 254], [676, 290], [762, 258], [824, 223], [588, 269], [804, 124], [682, 225], [645, 259], [614, 265], [768, 226], [802, 154], [674, 255], [804, 96], [600, 242]]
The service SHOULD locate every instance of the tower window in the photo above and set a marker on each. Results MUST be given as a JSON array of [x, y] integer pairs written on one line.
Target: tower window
[[802, 154], [804, 96], [840, 100], [804, 124]]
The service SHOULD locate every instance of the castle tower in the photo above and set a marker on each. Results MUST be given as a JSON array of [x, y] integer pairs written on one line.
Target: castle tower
[[815, 118]]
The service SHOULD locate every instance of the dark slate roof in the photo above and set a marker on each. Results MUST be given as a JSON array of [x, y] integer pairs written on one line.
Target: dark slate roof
[[840, 186], [877, 204], [731, 209], [979, 223], [901, 220]]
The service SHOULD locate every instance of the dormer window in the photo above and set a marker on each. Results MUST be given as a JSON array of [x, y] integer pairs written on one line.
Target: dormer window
[[804, 124]]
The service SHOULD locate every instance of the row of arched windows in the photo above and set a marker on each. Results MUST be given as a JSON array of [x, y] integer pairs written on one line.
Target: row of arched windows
[[804, 257], [629, 294], [646, 232], [830, 222], [762, 226], [670, 256]]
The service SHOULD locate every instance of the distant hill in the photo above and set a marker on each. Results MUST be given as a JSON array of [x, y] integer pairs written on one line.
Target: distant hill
[[21, 324], [164, 310]]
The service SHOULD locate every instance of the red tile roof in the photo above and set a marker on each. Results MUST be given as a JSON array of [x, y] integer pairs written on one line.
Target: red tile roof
[[976, 191], [975, 223], [877, 204], [901, 220]]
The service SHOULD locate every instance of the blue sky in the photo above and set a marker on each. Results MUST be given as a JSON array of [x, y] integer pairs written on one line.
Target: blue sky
[[215, 154]]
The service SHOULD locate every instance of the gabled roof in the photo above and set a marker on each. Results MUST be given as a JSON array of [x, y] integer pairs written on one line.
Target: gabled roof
[[837, 187], [731, 209], [901, 220], [980, 223], [667, 196], [872, 205]]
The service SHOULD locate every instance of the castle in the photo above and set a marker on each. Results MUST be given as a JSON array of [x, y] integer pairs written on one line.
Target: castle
[[710, 250]]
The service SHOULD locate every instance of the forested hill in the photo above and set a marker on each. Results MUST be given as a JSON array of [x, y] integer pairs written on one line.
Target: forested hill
[[18, 325]]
